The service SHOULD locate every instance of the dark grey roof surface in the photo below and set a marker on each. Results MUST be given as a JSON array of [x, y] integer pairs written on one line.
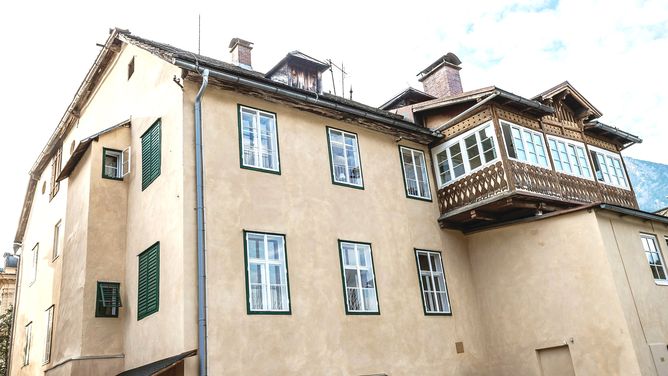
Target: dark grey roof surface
[[155, 367]]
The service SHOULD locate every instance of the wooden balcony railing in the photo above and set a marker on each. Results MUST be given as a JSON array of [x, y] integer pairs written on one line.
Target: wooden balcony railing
[[520, 178]]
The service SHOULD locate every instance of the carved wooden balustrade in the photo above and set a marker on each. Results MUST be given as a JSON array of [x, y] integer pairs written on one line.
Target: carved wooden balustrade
[[478, 186], [523, 178]]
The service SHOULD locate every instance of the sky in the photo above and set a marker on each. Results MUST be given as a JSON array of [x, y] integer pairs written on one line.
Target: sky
[[613, 52]]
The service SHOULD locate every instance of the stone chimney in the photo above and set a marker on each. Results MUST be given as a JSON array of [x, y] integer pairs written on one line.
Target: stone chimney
[[441, 78], [241, 52]]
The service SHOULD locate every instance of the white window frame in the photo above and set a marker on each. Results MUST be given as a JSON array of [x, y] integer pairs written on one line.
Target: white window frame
[[460, 140], [56, 239], [422, 194], [35, 261], [26, 346], [357, 268], [122, 163], [533, 133], [48, 338], [575, 145], [432, 274], [356, 155], [265, 263], [259, 151], [649, 240], [615, 156]]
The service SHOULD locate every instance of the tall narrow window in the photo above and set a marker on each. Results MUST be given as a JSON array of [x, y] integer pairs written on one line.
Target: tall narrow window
[[465, 154], [148, 289], [526, 145], [432, 282], [345, 158], [416, 179], [150, 154], [259, 140], [569, 157], [108, 299], [266, 273], [608, 168], [26, 345], [654, 258], [131, 67], [359, 282], [56, 240], [35, 259], [55, 171], [48, 316]]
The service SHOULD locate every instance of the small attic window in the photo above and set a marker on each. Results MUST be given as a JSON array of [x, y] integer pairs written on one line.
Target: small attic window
[[131, 67]]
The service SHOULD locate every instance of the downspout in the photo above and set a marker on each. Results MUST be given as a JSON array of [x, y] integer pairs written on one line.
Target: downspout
[[201, 258], [468, 111]]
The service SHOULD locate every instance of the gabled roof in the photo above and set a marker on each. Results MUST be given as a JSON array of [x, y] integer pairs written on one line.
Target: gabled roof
[[83, 146], [299, 57], [566, 87], [502, 96], [409, 95]]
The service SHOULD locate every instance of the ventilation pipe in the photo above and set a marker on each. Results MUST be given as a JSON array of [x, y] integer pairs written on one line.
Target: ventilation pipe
[[201, 257]]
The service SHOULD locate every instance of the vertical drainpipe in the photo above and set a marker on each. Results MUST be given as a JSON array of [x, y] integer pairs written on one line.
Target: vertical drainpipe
[[201, 258]]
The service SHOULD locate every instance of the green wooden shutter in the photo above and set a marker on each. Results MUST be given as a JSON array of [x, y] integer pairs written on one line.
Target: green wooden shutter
[[150, 154], [148, 292]]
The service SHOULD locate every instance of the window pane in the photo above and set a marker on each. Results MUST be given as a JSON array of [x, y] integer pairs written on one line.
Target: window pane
[[457, 160], [276, 274], [255, 246], [584, 164], [423, 261], [277, 298], [555, 155], [248, 138], [472, 151], [274, 247], [509, 140], [267, 131], [530, 147], [574, 160], [443, 167], [564, 157], [366, 278], [518, 144], [351, 278], [426, 282], [487, 143], [339, 162], [540, 150], [430, 301], [349, 257], [354, 302], [370, 302], [256, 297]]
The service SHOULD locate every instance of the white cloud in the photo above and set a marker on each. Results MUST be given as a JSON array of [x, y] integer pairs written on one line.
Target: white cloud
[[613, 52]]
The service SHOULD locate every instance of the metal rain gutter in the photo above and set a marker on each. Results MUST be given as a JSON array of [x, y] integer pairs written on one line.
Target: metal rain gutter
[[467, 112], [307, 98], [201, 256]]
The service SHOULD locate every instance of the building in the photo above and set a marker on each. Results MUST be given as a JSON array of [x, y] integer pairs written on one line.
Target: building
[[190, 215], [8, 282]]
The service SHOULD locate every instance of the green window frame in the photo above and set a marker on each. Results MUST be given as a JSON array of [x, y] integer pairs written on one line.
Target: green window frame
[[267, 281], [345, 161], [259, 149], [148, 290], [358, 278], [414, 169], [112, 164], [433, 286], [150, 154], [108, 299]]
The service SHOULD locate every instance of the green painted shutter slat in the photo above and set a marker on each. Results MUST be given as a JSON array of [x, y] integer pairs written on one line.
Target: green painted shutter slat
[[150, 152], [148, 293]]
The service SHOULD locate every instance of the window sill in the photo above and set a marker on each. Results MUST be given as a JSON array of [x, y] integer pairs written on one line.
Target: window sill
[[260, 169], [661, 282], [55, 258]]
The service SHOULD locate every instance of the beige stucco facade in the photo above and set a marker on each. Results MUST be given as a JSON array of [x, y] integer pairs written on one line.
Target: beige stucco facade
[[578, 280]]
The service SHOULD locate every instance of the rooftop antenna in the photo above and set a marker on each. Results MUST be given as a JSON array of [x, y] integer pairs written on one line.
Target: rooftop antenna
[[343, 76], [199, 34]]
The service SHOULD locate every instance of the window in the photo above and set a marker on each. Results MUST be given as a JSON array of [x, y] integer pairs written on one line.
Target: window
[[49, 335], [267, 287], [569, 157], [131, 67], [150, 155], [654, 257], [608, 167], [259, 140], [116, 163], [56, 240], [148, 291], [359, 283], [55, 171], [26, 346], [416, 179], [465, 154], [432, 283], [35, 258], [108, 299], [524, 144], [344, 158]]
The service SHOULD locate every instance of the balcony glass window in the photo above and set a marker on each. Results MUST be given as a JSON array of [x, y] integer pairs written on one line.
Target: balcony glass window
[[569, 157], [465, 154], [524, 144], [608, 167]]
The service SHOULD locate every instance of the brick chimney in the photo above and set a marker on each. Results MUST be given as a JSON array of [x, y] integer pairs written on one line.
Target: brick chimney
[[441, 78], [241, 52]]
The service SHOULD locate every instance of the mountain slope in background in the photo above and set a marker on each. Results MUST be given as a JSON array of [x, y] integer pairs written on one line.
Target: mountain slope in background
[[650, 181]]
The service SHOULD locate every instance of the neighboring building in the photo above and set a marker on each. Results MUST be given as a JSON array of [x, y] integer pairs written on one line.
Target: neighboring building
[[663, 212], [332, 228], [8, 282]]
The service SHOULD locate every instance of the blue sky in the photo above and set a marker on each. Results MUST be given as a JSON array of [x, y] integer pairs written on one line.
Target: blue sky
[[614, 53]]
